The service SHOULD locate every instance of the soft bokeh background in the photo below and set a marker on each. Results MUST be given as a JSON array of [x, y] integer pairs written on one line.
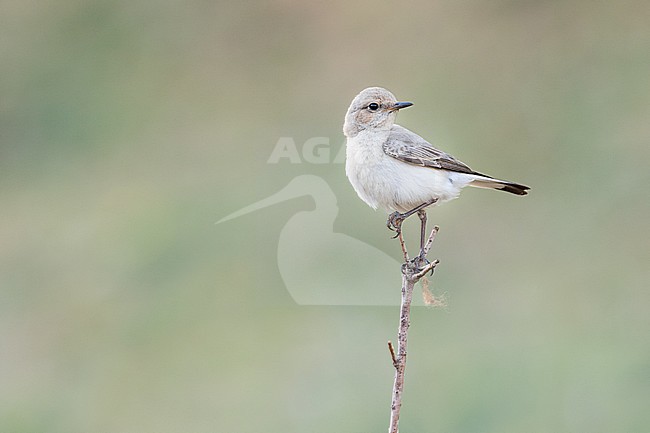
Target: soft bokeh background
[[129, 127]]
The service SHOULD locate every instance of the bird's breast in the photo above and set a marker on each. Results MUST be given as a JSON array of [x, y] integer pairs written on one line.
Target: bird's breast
[[383, 181], [365, 165]]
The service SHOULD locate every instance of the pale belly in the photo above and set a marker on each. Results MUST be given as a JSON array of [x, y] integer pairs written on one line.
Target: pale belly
[[398, 186]]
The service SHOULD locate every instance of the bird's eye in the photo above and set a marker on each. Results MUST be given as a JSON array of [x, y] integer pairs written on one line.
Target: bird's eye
[[373, 107]]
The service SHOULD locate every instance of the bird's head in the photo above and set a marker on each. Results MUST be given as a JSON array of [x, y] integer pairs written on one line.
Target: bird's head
[[373, 108]]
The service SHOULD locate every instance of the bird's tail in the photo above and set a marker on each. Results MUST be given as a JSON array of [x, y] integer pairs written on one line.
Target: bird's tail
[[502, 185]]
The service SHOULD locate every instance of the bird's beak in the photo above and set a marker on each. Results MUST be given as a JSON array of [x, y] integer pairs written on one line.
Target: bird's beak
[[400, 105]]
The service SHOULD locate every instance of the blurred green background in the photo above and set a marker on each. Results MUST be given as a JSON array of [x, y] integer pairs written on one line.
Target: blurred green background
[[127, 128]]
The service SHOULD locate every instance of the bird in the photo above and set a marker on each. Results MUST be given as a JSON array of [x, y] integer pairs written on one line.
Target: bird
[[393, 168]]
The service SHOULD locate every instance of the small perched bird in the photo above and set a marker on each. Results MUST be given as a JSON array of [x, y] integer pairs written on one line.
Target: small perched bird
[[396, 169]]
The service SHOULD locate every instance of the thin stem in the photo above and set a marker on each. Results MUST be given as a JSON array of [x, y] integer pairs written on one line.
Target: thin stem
[[402, 340], [403, 245], [432, 236], [411, 274], [392, 353]]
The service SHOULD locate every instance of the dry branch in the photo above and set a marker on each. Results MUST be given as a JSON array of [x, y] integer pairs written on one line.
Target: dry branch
[[412, 271]]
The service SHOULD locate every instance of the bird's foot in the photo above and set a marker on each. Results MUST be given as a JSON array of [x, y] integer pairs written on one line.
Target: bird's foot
[[394, 223], [421, 261]]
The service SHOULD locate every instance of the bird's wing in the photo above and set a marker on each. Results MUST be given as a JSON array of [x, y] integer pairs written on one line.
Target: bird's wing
[[409, 147]]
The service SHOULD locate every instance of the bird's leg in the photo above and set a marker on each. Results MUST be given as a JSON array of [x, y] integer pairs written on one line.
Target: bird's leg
[[421, 259], [396, 219], [423, 228]]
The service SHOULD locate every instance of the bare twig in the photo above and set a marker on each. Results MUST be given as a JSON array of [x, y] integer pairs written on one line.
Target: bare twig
[[432, 236], [403, 245], [392, 353], [412, 272], [426, 269]]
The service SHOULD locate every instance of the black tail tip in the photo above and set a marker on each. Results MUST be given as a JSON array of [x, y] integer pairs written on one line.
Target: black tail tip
[[515, 188]]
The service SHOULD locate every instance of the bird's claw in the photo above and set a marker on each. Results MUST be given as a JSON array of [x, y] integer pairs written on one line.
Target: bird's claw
[[422, 262], [394, 223]]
